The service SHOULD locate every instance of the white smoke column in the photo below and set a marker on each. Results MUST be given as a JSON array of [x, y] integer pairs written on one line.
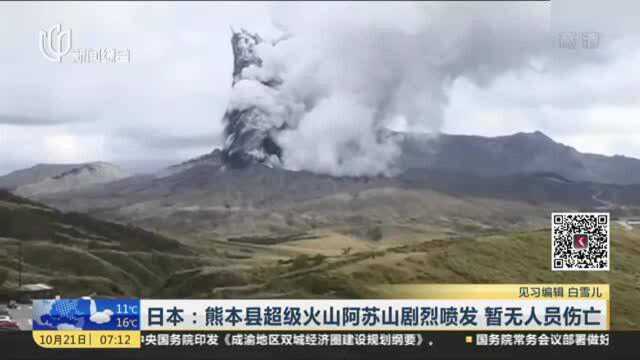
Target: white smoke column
[[352, 69], [340, 141]]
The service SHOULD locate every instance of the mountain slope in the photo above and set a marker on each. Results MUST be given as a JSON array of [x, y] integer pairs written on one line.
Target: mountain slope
[[79, 254], [213, 158], [33, 174], [18, 217], [71, 179], [528, 174], [513, 154], [211, 200]]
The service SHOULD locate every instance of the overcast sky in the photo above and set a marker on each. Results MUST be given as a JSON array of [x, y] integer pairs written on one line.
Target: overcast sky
[[166, 105]]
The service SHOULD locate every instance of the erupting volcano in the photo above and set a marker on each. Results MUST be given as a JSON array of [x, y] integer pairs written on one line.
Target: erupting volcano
[[249, 127]]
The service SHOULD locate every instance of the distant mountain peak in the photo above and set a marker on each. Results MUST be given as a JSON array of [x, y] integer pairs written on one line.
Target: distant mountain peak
[[522, 152], [534, 135], [93, 167], [214, 158], [69, 178]]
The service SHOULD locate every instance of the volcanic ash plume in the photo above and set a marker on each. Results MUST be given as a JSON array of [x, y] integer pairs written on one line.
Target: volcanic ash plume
[[322, 99], [253, 115], [297, 125]]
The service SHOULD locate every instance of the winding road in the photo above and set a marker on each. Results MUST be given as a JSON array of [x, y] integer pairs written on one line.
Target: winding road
[[606, 205]]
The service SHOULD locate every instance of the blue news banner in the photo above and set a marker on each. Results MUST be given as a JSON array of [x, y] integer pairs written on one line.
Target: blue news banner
[[86, 314], [135, 323], [320, 315]]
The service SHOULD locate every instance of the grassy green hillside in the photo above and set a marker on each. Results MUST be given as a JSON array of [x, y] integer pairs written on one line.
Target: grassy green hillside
[[502, 257], [80, 255]]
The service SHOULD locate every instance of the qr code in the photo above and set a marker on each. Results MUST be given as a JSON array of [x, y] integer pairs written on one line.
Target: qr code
[[580, 242]]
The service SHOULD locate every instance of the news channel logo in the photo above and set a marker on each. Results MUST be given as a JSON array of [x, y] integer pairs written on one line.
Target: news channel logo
[[56, 44], [574, 40]]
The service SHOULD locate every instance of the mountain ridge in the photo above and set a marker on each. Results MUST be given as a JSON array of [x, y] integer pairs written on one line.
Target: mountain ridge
[[51, 178], [519, 153]]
